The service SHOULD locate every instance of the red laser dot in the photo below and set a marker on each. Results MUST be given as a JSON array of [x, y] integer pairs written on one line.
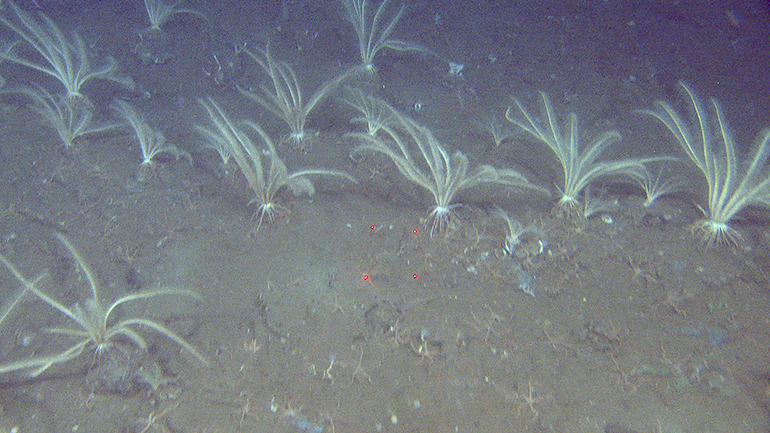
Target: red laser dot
[[373, 227], [366, 278], [414, 276], [415, 231]]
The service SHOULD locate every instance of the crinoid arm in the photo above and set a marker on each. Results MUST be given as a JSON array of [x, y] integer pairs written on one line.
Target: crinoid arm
[[28, 285], [120, 327], [299, 183], [39, 364]]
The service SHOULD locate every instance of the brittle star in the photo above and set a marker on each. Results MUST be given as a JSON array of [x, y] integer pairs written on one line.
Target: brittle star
[[531, 401]]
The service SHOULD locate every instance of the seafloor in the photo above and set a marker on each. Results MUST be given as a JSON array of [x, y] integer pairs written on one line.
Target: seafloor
[[343, 314]]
